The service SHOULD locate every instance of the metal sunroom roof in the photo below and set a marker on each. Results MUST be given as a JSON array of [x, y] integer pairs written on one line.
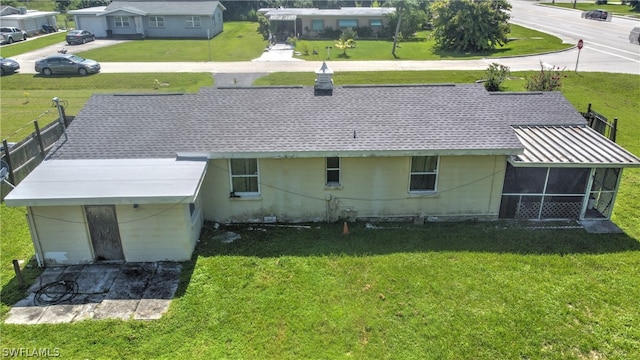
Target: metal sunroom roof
[[569, 146]]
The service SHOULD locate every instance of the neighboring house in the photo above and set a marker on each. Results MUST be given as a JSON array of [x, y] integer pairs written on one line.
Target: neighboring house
[[153, 19], [154, 166], [30, 21], [311, 23]]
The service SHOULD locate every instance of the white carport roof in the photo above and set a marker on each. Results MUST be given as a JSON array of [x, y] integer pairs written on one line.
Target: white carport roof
[[102, 182], [569, 146]]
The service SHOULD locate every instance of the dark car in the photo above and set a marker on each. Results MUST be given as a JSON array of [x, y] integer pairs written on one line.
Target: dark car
[[597, 14], [8, 66], [66, 64], [79, 37]]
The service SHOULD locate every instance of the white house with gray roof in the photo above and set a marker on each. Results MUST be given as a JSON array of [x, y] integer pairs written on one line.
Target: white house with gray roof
[[312, 22], [140, 172], [153, 19]]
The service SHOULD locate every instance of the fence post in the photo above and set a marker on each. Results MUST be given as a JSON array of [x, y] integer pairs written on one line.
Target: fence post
[[39, 137], [7, 156], [614, 130]]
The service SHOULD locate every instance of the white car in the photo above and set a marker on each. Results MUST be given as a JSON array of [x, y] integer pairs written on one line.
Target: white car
[[11, 34]]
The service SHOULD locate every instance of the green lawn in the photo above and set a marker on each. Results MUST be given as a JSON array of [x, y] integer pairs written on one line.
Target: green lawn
[[239, 41], [522, 41], [18, 113], [34, 44], [439, 291]]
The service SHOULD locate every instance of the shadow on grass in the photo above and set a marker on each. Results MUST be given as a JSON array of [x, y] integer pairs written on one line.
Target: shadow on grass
[[328, 239], [12, 292]]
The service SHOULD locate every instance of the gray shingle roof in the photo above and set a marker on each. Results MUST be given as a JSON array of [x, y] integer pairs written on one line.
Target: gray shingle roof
[[174, 7], [291, 121]]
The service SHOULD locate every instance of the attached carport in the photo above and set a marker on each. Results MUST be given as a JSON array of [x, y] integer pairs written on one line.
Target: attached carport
[[134, 210], [564, 172]]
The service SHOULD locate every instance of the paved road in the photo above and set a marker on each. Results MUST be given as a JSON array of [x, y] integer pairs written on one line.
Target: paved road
[[610, 53]]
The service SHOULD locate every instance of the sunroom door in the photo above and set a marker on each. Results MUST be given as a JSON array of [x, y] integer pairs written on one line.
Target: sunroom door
[[602, 195]]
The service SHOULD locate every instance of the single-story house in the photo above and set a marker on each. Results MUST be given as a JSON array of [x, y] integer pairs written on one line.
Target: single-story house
[[30, 21], [312, 22], [142, 171], [153, 19]]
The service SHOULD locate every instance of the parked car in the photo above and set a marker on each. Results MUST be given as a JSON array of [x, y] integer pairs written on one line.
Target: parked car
[[79, 37], [8, 66], [66, 64], [11, 34]]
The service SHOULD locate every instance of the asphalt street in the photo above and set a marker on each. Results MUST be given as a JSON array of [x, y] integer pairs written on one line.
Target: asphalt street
[[593, 57]]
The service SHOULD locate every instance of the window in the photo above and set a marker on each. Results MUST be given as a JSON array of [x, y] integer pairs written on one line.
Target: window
[[244, 177], [121, 21], [376, 23], [317, 25], [424, 172], [333, 171], [156, 21], [347, 23], [193, 21]]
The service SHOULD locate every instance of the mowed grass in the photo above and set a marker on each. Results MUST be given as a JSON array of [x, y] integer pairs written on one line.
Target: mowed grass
[[27, 97], [423, 47], [439, 291], [30, 45], [240, 41]]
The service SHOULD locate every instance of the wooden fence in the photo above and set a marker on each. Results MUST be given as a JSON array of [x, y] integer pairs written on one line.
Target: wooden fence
[[25, 155]]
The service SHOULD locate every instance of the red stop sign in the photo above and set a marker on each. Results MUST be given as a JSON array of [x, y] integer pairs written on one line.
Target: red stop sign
[[580, 43]]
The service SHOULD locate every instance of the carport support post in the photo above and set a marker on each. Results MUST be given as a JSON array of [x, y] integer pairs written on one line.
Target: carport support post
[[16, 268]]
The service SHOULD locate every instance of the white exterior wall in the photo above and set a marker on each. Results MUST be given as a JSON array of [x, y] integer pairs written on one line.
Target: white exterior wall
[[155, 232], [294, 190], [152, 232], [332, 22], [61, 234]]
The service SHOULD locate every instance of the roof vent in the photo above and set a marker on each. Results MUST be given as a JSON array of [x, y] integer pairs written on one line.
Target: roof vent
[[324, 82]]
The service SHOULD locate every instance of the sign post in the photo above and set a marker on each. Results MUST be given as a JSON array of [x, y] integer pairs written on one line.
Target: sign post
[[580, 45], [209, 42]]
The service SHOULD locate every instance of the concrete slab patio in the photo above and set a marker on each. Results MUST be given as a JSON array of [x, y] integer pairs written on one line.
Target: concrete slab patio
[[141, 291]]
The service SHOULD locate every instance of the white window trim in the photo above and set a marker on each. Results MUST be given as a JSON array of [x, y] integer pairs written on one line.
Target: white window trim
[[158, 21], [191, 21], [245, 193], [436, 173], [123, 20]]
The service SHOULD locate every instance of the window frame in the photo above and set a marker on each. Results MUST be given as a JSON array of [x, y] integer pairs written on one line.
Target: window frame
[[435, 173], [256, 175], [348, 26], [377, 25], [314, 23], [156, 21], [121, 21], [333, 169], [190, 21]]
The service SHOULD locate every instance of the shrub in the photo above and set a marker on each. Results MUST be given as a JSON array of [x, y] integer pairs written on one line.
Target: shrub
[[495, 75], [545, 80]]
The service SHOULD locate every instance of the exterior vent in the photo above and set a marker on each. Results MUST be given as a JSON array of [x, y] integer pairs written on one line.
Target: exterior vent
[[324, 82]]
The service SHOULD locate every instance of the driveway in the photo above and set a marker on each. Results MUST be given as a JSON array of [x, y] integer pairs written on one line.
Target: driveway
[[27, 60]]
